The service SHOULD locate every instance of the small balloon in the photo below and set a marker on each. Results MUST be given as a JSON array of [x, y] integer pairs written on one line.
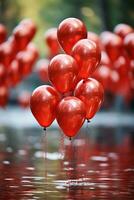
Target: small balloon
[[70, 115], [13, 75], [70, 31], [52, 41], [24, 99], [43, 103], [62, 72], [4, 94], [91, 92], [87, 54], [129, 45], [42, 69], [123, 30]]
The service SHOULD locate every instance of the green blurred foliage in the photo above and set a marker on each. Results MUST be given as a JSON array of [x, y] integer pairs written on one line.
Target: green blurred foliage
[[97, 14]]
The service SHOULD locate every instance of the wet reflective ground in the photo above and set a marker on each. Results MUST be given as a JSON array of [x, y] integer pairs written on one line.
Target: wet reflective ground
[[98, 164]]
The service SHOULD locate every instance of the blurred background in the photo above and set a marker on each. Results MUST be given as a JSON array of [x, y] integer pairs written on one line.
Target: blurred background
[[98, 163]]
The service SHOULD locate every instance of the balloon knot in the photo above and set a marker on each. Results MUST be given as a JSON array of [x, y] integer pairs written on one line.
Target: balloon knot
[[70, 138], [44, 128], [88, 121]]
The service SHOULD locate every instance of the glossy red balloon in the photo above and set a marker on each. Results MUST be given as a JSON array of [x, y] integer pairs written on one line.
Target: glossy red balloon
[[52, 41], [24, 99], [3, 33], [43, 104], [122, 30], [112, 44], [91, 93], [87, 54], [13, 75], [42, 69], [3, 96], [31, 26], [129, 44], [62, 72], [70, 31], [70, 115]]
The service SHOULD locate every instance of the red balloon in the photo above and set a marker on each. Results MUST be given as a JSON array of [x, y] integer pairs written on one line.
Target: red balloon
[[52, 41], [94, 37], [70, 31], [3, 96], [6, 53], [87, 54], [122, 30], [70, 115], [105, 59], [33, 49], [43, 104], [62, 72], [129, 44], [28, 23], [3, 33], [13, 75], [112, 44], [42, 69], [3, 74], [91, 92], [24, 99]]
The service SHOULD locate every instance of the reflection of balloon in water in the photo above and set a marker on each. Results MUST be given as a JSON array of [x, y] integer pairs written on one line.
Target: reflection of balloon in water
[[24, 99], [42, 69], [122, 30], [62, 72], [87, 54], [3, 33], [52, 41], [91, 92], [70, 115], [43, 104], [69, 32]]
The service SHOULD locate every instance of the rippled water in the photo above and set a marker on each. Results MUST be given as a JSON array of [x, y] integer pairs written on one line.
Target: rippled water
[[98, 164]]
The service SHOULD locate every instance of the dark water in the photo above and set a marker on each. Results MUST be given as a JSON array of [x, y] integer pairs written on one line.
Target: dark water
[[98, 164]]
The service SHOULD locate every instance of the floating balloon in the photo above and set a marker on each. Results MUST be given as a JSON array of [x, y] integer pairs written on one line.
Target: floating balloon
[[43, 104], [112, 44], [42, 69], [87, 54], [62, 72], [24, 99], [33, 49], [122, 30], [70, 31], [52, 41], [3, 74], [91, 92], [93, 37], [3, 33], [3, 96], [129, 44], [70, 115], [13, 75]]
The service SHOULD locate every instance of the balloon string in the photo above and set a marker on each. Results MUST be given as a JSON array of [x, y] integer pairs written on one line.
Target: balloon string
[[44, 155]]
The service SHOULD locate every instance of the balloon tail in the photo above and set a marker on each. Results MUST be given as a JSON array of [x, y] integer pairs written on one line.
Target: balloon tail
[[88, 121], [70, 138]]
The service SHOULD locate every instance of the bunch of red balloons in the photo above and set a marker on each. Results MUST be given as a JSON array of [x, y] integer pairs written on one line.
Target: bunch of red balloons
[[116, 71], [74, 96], [17, 56]]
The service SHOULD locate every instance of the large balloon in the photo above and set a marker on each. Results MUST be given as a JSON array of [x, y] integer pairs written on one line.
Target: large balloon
[[69, 32], [3, 33], [91, 92], [70, 115], [43, 104], [62, 72], [52, 41], [87, 54], [123, 29]]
